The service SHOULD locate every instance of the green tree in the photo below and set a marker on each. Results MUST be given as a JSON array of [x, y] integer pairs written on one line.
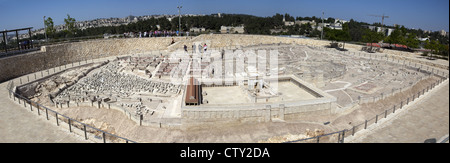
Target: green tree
[[289, 17], [411, 41], [330, 34], [329, 20], [396, 37], [436, 48], [49, 27], [372, 37], [338, 35], [356, 30], [433, 45], [305, 28], [344, 34], [444, 50], [70, 25]]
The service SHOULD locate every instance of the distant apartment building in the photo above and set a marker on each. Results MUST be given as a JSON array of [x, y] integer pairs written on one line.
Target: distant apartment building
[[232, 30], [443, 33], [389, 31], [301, 22], [340, 21], [289, 23], [197, 30], [384, 30], [336, 26], [219, 15]]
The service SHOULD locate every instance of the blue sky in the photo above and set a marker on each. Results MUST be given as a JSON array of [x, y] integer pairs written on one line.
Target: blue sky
[[424, 14]]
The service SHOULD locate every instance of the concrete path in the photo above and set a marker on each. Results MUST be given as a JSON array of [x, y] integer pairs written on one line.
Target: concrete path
[[19, 125], [427, 118]]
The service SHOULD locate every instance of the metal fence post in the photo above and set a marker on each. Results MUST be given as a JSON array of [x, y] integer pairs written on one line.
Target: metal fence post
[[46, 113], [104, 137], [365, 124], [57, 123], [376, 118], [353, 131], [38, 109], [339, 137], [70, 126], [85, 134]]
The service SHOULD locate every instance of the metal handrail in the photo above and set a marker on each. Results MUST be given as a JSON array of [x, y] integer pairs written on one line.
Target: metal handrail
[[9, 88], [376, 117]]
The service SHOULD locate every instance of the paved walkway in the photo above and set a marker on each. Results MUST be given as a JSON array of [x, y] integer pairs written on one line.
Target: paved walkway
[[427, 118], [19, 125]]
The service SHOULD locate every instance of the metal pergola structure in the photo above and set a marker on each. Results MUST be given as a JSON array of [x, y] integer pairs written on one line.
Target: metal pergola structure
[[5, 33]]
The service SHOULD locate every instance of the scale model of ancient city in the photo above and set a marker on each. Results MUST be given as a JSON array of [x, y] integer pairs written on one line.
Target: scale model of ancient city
[[217, 87]]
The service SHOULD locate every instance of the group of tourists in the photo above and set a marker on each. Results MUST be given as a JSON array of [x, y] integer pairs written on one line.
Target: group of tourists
[[26, 44], [197, 48], [163, 33]]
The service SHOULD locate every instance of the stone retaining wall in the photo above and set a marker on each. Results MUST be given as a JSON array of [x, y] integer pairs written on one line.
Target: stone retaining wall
[[264, 113]]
